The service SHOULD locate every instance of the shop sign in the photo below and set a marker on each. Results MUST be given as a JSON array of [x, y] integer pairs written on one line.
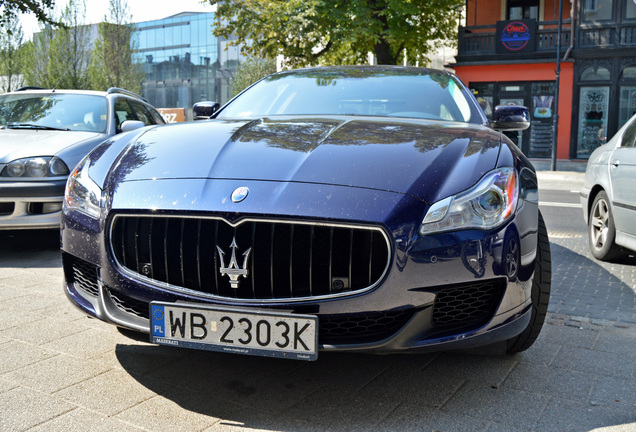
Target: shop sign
[[516, 36], [172, 115]]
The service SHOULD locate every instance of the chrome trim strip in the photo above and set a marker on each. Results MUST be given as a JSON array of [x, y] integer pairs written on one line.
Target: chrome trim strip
[[146, 280]]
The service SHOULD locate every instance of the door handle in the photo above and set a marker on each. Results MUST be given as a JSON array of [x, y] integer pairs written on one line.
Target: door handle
[[616, 163]]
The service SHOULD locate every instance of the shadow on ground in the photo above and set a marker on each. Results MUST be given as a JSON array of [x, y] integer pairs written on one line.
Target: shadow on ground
[[28, 248]]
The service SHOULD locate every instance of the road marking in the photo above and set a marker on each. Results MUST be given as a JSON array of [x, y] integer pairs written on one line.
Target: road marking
[[556, 204]]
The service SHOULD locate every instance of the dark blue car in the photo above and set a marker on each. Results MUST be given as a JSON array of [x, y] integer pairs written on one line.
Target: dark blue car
[[351, 208]]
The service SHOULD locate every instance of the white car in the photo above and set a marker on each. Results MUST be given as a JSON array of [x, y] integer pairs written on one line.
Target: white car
[[44, 134], [608, 196]]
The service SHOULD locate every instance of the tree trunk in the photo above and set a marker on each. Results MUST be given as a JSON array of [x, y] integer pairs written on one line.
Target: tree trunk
[[383, 54]]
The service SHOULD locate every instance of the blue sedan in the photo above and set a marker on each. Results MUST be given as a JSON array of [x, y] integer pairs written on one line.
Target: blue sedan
[[370, 209]]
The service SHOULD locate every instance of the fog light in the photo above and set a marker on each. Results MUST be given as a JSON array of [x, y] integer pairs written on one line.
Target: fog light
[[51, 207]]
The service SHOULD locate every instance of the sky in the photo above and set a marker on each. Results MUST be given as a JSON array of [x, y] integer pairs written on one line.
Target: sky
[[141, 10]]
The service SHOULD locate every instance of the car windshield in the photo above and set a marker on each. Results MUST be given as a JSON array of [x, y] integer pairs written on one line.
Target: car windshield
[[75, 112], [390, 92]]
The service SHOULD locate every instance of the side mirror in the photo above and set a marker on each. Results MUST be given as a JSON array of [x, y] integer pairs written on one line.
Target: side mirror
[[130, 125], [204, 110], [510, 118]]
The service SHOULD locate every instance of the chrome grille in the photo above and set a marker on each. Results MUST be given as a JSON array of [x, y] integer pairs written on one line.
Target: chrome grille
[[285, 261]]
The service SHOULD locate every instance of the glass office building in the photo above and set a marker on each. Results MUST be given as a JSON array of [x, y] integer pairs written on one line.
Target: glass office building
[[183, 61]]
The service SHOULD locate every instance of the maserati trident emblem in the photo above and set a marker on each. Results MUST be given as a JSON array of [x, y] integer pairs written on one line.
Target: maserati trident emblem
[[240, 194], [233, 270]]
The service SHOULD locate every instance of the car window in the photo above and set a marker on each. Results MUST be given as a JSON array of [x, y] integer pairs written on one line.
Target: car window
[[629, 137], [143, 113], [356, 91], [123, 112], [75, 112]]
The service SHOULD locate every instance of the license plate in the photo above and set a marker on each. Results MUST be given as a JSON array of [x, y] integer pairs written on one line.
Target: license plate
[[233, 330]]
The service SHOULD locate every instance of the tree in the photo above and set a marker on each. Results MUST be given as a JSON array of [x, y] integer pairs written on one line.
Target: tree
[[112, 62], [11, 8], [37, 56], [310, 32], [59, 58], [250, 71], [11, 57], [71, 50]]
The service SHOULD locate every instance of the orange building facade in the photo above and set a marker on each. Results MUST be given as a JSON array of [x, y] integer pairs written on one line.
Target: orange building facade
[[507, 54]]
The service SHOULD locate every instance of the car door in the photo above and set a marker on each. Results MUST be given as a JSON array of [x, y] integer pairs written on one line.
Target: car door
[[623, 176]]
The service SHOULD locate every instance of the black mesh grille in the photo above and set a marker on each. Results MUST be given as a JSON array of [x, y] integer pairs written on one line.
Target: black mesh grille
[[366, 328], [130, 305], [277, 260], [84, 276], [467, 305]]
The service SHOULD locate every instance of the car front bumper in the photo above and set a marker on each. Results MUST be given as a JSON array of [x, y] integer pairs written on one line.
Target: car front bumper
[[31, 205]]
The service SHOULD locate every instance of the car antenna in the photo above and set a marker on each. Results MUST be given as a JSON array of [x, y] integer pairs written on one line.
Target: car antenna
[[58, 81]]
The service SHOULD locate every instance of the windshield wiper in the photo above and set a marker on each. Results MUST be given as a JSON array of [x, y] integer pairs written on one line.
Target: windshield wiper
[[32, 126]]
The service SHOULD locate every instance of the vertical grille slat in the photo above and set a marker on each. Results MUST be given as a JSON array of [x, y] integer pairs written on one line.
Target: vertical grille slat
[[271, 262], [150, 258], [291, 261], [181, 260], [199, 278], [329, 279], [311, 262], [287, 260], [137, 260]]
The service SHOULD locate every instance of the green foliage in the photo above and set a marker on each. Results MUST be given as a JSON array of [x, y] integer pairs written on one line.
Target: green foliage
[[250, 71], [11, 57], [37, 56], [59, 58], [310, 32], [68, 66], [9, 10], [112, 62]]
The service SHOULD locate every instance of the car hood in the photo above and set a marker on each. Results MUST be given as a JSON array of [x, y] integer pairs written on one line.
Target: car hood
[[426, 159], [21, 143]]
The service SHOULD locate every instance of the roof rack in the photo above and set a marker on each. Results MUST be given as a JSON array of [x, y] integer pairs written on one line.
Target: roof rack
[[125, 92], [29, 88]]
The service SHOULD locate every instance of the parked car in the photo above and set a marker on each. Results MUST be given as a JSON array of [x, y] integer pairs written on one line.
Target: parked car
[[608, 196], [339, 208], [44, 134]]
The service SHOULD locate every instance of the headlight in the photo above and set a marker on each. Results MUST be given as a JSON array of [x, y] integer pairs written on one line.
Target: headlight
[[36, 167], [488, 204], [82, 193]]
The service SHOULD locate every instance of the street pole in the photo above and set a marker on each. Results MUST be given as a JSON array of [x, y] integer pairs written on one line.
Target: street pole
[[556, 91]]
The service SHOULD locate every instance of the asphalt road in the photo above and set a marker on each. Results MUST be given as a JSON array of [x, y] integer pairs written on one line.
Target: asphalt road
[[60, 370]]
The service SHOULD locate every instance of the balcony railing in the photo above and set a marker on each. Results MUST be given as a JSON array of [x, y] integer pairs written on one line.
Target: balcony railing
[[480, 40]]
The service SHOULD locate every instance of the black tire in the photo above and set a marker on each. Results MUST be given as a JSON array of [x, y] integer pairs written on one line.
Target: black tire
[[540, 293], [602, 231]]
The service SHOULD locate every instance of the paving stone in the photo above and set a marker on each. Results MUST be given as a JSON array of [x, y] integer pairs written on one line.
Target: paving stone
[[81, 419], [56, 373], [567, 416], [406, 418], [18, 414], [502, 405], [562, 383], [109, 393]]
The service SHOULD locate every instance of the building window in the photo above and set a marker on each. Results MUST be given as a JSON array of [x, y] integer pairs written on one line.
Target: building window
[[523, 9], [630, 9], [597, 10], [593, 114], [627, 99], [595, 74]]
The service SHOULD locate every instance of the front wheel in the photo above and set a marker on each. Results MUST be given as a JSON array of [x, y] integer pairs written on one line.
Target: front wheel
[[540, 293], [602, 231]]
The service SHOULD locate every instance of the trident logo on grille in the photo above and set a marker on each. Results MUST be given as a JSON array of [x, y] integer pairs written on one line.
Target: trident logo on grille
[[234, 271]]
